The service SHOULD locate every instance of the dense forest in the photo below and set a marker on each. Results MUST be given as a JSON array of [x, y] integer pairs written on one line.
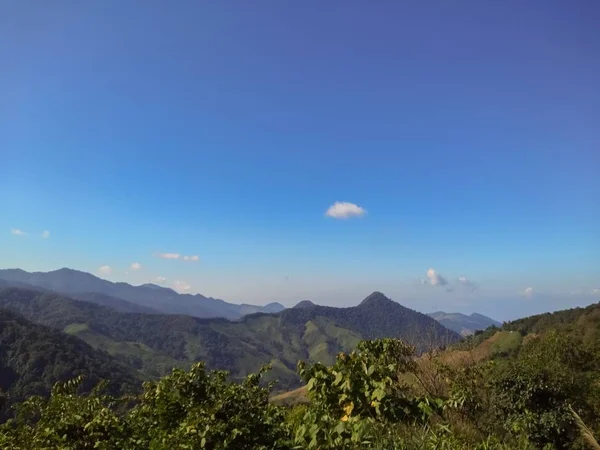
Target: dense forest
[[155, 343], [33, 357]]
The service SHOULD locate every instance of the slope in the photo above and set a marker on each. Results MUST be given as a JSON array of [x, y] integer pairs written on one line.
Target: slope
[[376, 317], [153, 343], [152, 297], [33, 357]]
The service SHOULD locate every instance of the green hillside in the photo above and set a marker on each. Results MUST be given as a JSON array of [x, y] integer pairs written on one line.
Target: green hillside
[[155, 343], [33, 357]]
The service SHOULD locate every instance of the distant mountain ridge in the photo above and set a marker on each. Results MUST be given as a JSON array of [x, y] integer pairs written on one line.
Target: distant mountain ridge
[[378, 316], [148, 297], [155, 343], [463, 324]]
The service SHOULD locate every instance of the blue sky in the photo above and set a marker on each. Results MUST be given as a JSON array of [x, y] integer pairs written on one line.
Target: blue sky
[[468, 131]]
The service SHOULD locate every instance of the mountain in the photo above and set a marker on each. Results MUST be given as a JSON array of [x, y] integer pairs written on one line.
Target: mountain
[[154, 343], [463, 324], [274, 307], [33, 357], [99, 299], [376, 317], [148, 297], [304, 304]]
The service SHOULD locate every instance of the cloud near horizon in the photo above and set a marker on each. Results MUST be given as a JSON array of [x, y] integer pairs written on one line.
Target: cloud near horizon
[[105, 270], [17, 232], [435, 279], [465, 282], [161, 279], [345, 210], [136, 266], [528, 292], [181, 286]]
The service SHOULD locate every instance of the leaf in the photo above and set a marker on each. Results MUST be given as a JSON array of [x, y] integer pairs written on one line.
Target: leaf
[[338, 378], [348, 408]]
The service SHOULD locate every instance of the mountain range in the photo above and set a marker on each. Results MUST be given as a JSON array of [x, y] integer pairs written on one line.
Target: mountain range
[[152, 344], [463, 324], [147, 298]]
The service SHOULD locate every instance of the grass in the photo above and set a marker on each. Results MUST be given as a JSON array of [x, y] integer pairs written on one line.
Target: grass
[[75, 328]]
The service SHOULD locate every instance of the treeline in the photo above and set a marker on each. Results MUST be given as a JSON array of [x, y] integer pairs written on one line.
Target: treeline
[[377, 397]]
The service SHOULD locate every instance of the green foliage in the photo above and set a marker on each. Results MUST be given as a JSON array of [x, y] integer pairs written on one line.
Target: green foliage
[[185, 410], [361, 390], [532, 394]]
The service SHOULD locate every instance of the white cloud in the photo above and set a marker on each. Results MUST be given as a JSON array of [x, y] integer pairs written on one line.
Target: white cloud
[[169, 255], [528, 292], [191, 258], [45, 234], [344, 210], [464, 281], [105, 270], [161, 279], [136, 266], [435, 279], [181, 286], [18, 232], [596, 291]]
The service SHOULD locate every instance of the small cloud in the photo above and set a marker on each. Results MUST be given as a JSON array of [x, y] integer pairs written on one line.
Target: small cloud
[[136, 266], [435, 279], [596, 291], [160, 280], [45, 234], [191, 258], [105, 270], [169, 255], [528, 292], [465, 282], [345, 210], [18, 232], [181, 286]]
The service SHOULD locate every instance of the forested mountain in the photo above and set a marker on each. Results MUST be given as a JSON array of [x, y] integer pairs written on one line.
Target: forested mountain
[[33, 357], [154, 343], [150, 297], [463, 324], [376, 317]]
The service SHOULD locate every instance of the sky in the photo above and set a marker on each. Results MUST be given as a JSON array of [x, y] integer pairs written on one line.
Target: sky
[[444, 153]]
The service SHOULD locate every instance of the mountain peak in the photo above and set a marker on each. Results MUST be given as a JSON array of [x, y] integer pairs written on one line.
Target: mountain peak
[[305, 304], [375, 298], [151, 286]]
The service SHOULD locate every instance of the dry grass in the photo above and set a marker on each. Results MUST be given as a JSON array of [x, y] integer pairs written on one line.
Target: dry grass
[[295, 397]]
